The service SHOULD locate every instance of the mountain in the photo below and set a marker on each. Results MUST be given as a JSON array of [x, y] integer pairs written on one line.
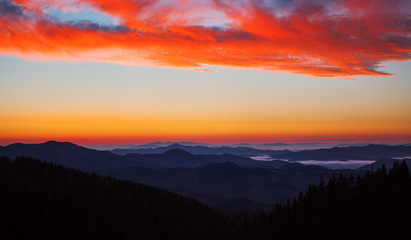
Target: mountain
[[46, 201], [42, 200], [175, 158], [67, 154], [212, 179], [71, 155], [165, 144], [66, 149], [369, 152], [373, 206], [263, 146], [240, 151], [220, 182]]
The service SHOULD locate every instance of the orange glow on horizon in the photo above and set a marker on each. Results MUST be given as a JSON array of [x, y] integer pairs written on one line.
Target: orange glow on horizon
[[388, 139], [94, 130]]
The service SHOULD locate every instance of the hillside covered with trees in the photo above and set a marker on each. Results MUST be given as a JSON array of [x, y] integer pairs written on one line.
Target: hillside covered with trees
[[53, 202], [374, 206], [41, 199]]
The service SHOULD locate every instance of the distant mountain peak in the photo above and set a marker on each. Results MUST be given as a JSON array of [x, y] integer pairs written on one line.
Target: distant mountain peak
[[53, 142], [176, 145], [48, 143]]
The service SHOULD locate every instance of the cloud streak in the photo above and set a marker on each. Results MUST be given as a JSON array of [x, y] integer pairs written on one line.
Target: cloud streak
[[10, 9], [338, 38]]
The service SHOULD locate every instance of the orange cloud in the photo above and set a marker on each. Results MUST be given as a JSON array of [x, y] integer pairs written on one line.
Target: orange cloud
[[317, 37]]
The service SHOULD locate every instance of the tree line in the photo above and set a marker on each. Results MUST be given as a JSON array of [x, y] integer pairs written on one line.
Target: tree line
[[373, 206]]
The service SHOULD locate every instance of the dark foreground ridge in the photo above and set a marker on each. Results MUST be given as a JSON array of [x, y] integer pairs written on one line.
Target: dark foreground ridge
[[46, 201], [40, 199], [375, 206]]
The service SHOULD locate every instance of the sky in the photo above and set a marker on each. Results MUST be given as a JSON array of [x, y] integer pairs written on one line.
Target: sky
[[212, 71]]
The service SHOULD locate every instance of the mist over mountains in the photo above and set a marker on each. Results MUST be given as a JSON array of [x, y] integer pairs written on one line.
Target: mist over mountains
[[368, 152], [361, 152], [210, 174]]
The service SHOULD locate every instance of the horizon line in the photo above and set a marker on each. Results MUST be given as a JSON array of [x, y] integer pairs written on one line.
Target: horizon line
[[290, 142]]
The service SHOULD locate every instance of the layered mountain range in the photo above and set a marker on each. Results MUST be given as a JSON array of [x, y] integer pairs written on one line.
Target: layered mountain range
[[223, 177]]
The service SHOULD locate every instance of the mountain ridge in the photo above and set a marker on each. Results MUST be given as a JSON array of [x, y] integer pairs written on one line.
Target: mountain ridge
[[368, 152], [199, 149], [73, 155], [211, 179]]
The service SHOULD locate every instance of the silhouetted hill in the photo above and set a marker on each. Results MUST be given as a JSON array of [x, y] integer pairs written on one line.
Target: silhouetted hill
[[44, 201], [219, 182], [209, 178], [212, 179], [388, 163], [159, 144], [65, 149], [177, 158], [373, 206], [67, 154], [71, 155], [369, 152], [240, 151]]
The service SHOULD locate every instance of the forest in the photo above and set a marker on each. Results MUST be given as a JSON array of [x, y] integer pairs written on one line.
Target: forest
[[373, 206], [41, 199], [47, 201]]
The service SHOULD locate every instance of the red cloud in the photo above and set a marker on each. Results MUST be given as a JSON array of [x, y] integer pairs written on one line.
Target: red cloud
[[321, 38]]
